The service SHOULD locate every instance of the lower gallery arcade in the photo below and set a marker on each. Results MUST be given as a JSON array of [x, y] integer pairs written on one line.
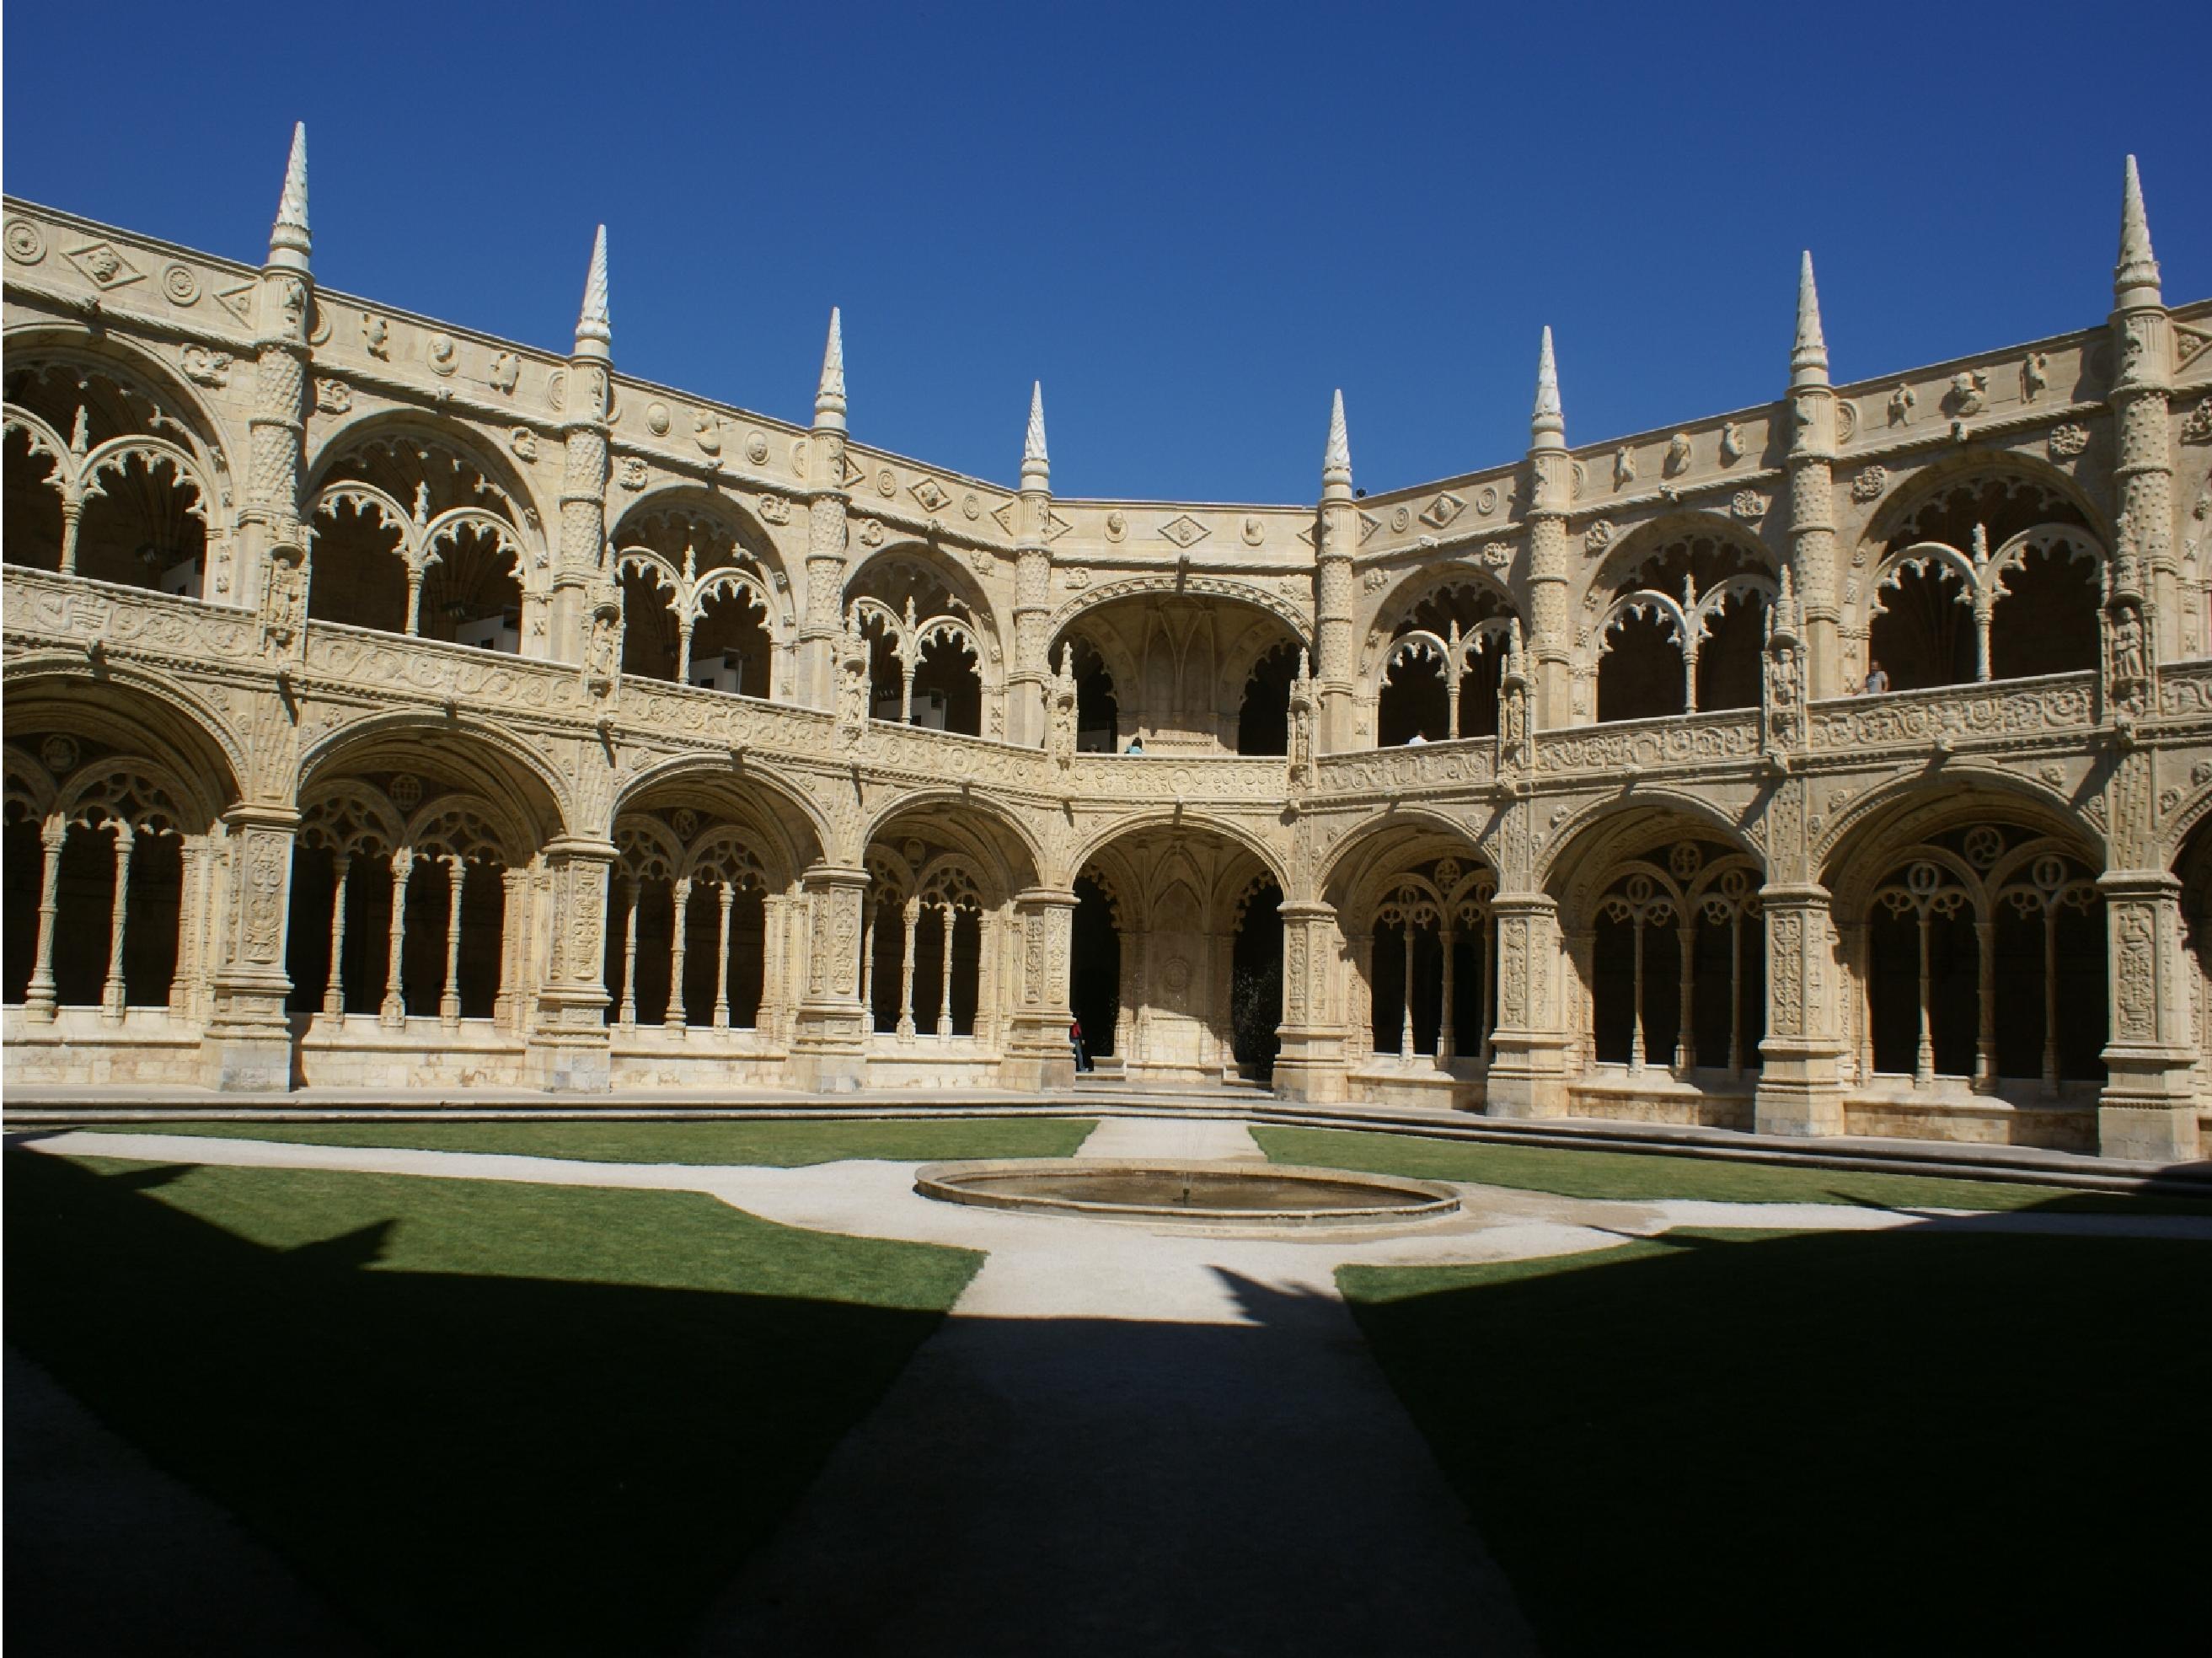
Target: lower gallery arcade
[[433, 911]]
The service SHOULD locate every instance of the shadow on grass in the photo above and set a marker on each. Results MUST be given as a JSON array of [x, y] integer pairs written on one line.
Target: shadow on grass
[[1914, 1441], [459, 1462]]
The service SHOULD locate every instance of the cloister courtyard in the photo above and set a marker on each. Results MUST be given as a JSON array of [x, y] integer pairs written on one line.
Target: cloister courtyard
[[733, 1385]]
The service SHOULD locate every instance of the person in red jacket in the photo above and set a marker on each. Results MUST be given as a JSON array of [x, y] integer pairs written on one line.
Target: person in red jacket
[[1075, 1041]]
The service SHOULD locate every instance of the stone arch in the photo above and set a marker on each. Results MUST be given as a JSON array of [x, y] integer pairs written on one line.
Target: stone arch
[[1203, 587], [956, 578], [1952, 789], [759, 795], [397, 539], [1159, 816], [993, 833], [29, 343], [1673, 618], [1364, 837], [139, 496], [748, 535], [65, 695], [543, 805], [1573, 862]]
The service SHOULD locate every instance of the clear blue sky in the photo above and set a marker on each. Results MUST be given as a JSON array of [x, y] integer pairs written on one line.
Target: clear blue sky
[[1189, 222]]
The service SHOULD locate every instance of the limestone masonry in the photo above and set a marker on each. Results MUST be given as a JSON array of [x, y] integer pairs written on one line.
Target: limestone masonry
[[390, 706]]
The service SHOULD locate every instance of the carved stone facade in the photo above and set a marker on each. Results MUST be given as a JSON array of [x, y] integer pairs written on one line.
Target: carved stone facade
[[422, 710]]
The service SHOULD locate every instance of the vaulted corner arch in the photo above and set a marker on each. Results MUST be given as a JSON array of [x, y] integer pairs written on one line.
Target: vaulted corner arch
[[1210, 673], [417, 528], [114, 471], [705, 600], [1197, 940], [1437, 654], [1675, 619], [1989, 571], [936, 657]]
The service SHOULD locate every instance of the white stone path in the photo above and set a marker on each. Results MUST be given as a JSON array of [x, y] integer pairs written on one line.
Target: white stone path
[[1125, 1440]]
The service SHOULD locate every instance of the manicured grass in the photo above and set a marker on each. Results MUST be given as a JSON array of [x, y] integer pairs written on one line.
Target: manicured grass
[[478, 1417], [1638, 1178], [781, 1144], [1835, 1442]]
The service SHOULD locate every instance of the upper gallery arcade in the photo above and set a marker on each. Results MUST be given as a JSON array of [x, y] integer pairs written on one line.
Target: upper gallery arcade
[[395, 705]]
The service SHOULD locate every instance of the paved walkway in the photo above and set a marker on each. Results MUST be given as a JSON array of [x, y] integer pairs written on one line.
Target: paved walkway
[[1123, 1439]]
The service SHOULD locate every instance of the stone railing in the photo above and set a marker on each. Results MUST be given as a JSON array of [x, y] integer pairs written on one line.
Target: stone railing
[[1231, 778], [2009, 708], [1678, 739], [1437, 766], [45, 608]]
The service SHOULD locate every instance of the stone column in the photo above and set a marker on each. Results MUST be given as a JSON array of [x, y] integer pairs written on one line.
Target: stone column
[[248, 1042], [569, 1051], [1037, 1056], [392, 1011], [449, 992], [1309, 1062], [829, 1053], [113, 997], [909, 914], [1801, 1084], [2148, 1110], [724, 898], [675, 1013], [41, 1001], [1530, 1045], [334, 986]]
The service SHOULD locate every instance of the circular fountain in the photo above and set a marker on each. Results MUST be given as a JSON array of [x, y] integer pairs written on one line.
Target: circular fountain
[[1209, 1194]]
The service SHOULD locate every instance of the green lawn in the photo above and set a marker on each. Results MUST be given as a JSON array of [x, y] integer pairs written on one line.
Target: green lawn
[[1835, 1442], [478, 1417], [1636, 1176], [778, 1144]]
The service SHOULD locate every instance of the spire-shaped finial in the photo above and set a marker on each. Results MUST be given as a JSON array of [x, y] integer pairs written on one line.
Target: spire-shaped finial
[[1547, 426], [1036, 464], [829, 396], [290, 243], [2135, 278], [1336, 459], [1808, 361], [592, 322]]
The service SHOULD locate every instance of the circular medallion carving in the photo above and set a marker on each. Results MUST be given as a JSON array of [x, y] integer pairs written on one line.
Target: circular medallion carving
[[27, 245], [178, 282], [60, 755], [757, 448], [656, 419]]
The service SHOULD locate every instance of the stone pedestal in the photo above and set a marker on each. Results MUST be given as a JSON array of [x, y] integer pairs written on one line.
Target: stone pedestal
[[1309, 1062], [569, 1041], [246, 1046], [1037, 1054], [828, 1053], [1801, 1090], [2148, 1110], [1530, 1045]]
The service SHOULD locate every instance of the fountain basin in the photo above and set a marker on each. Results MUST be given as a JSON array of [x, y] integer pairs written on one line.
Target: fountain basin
[[1213, 1194]]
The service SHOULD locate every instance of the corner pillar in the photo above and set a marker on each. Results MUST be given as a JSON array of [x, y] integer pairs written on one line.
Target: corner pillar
[[569, 1051], [1038, 1056], [1801, 1077], [1310, 1060], [1530, 1044], [2148, 1110], [246, 1046], [829, 1048]]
